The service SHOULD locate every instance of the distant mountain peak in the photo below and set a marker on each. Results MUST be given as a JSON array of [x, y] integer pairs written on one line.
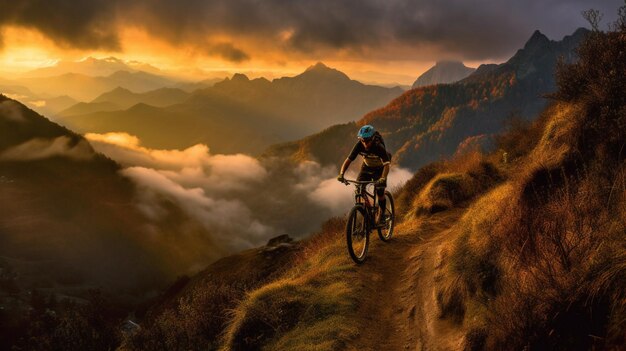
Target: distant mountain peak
[[120, 90], [537, 39], [321, 70], [121, 74], [240, 77], [449, 63], [318, 67], [577, 36], [443, 72]]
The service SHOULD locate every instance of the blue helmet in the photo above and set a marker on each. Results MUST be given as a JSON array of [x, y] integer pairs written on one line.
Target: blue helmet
[[367, 131]]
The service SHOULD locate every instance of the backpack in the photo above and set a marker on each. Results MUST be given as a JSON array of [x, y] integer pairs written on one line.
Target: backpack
[[378, 139]]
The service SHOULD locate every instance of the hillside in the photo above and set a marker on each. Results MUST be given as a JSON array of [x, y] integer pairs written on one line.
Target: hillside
[[243, 115], [72, 234], [66, 213], [443, 72], [523, 250], [239, 129], [425, 124], [122, 99], [46, 105]]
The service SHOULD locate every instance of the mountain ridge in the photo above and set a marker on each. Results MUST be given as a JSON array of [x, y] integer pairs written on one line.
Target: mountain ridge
[[243, 115], [85, 88], [425, 124], [443, 72]]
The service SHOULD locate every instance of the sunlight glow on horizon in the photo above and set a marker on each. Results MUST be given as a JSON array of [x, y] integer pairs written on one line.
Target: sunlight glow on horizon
[[26, 49]]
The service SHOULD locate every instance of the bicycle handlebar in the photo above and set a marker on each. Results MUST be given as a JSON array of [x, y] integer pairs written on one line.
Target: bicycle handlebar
[[348, 181]]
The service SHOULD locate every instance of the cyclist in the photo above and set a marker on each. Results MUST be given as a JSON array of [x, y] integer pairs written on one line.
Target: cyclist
[[375, 166]]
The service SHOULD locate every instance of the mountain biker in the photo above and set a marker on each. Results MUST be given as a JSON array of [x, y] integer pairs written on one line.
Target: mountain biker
[[375, 166]]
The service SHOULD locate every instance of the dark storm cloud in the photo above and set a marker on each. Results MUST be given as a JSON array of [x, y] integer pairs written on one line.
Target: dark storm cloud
[[476, 29], [228, 52], [73, 23]]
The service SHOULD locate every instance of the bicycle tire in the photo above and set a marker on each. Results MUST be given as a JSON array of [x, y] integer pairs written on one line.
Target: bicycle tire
[[385, 233], [359, 231]]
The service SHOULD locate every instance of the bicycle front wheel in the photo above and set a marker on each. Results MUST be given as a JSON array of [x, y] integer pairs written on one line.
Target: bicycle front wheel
[[357, 234], [385, 230]]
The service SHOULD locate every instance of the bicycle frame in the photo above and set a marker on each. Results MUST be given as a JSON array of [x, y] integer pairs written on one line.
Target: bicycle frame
[[363, 197]]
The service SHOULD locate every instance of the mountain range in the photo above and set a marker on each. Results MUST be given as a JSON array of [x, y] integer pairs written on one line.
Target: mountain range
[[91, 66], [238, 114], [428, 123], [122, 99], [85, 88]]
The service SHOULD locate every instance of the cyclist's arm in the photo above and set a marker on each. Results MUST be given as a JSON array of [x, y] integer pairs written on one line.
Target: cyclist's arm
[[345, 166], [385, 171], [384, 156], [355, 151]]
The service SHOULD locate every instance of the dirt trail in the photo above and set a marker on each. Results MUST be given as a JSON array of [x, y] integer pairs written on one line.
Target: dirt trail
[[398, 309]]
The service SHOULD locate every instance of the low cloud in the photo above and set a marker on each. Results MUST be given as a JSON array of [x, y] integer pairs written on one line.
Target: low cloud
[[207, 187], [191, 167], [229, 221], [11, 110], [338, 197], [41, 148], [240, 202]]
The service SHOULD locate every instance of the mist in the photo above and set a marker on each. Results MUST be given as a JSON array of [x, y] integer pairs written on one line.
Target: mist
[[240, 201], [42, 148]]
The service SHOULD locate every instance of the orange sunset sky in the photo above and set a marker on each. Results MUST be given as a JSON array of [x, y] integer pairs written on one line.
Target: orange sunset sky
[[372, 40]]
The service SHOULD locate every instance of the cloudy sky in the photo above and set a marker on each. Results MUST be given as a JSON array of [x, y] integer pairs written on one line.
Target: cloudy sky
[[395, 37]]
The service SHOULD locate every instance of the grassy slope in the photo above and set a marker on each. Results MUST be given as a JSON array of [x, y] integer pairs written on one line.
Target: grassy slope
[[538, 262], [298, 297]]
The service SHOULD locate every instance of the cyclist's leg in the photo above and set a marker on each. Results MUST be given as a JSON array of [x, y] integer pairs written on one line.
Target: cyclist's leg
[[365, 174], [380, 192]]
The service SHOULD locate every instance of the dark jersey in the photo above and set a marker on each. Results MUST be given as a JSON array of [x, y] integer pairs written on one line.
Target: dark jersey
[[376, 156]]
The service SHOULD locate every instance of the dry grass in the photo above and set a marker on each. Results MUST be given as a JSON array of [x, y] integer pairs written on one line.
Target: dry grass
[[539, 263], [472, 274], [451, 184], [196, 314], [443, 192], [308, 309], [412, 188]]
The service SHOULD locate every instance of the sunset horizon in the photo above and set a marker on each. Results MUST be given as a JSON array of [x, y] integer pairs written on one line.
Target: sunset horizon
[[268, 48]]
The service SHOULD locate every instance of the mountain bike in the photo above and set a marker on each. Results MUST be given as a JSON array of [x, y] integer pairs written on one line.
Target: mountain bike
[[362, 219]]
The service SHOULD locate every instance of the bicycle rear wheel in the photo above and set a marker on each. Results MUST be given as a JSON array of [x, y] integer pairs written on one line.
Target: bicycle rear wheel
[[357, 234], [386, 232]]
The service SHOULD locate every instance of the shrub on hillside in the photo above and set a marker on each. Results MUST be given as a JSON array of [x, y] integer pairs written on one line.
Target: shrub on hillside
[[451, 183], [413, 187], [519, 137], [598, 81], [444, 192]]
